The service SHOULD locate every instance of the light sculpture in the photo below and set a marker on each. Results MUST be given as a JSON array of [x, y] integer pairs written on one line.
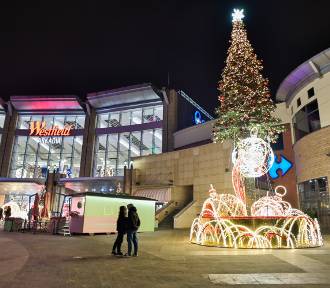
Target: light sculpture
[[272, 223], [253, 155]]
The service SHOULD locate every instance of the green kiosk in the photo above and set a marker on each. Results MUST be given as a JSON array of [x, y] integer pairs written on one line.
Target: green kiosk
[[97, 212]]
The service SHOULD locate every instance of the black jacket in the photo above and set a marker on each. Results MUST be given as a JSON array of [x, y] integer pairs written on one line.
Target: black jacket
[[122, 225], [133, 220]]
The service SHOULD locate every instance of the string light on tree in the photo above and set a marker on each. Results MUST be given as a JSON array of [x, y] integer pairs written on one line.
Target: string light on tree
[[244, 94]]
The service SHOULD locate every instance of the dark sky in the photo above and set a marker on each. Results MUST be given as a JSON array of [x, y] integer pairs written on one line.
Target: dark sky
[[75, 47]]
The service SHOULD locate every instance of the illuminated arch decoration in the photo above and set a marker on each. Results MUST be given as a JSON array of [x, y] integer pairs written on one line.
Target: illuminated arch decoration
[[224, 220], [230, 227]]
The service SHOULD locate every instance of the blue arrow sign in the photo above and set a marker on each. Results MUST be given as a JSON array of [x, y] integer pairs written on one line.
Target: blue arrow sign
[[284, 165]]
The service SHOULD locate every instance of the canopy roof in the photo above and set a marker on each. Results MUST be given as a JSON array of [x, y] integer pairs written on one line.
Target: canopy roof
[[45, 103], [22, 186], [123, 96], [310, 70]]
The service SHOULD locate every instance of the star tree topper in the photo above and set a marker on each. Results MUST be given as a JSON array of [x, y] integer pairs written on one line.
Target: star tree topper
[[238, 15]]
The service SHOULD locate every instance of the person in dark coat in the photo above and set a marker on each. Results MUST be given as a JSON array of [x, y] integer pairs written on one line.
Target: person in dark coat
[[1, 211], [133, 225], [7, 212], [121, 229]]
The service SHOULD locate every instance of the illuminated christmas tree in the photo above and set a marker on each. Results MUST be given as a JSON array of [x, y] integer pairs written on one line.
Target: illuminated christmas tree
[[245, 100]]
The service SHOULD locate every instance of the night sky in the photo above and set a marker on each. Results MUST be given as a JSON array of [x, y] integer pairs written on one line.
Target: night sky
[[76, 47]]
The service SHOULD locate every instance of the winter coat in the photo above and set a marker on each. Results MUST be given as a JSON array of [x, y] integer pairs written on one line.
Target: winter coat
[[133, 220], [122, 225]]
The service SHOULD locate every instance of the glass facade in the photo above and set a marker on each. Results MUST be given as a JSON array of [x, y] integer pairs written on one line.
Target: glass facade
[[114, 150], [32, 157], [2, 122], [130, 117], [77, 121], [306, 120], [315, 199]]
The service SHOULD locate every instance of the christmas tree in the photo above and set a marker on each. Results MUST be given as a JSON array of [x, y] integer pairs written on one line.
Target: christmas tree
[[245, 100]]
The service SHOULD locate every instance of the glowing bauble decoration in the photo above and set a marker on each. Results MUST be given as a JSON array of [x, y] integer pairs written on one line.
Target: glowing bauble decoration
[[253, 155]]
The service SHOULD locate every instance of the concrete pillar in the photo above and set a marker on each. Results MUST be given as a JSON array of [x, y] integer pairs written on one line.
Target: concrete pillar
[[87, 155], [170, 120], [7, 142]]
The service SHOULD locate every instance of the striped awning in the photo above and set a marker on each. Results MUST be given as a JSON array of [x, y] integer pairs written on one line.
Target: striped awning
[[159, 194]]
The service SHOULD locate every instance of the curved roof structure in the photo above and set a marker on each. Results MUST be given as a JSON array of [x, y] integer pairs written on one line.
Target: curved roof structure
[[305, 73]]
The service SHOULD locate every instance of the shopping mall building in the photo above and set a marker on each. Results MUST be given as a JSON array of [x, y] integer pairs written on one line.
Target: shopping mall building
[[63, 145], [157, 143]]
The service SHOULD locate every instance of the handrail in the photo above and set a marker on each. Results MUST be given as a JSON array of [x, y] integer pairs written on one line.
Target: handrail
[[164, 207], [184, 209]]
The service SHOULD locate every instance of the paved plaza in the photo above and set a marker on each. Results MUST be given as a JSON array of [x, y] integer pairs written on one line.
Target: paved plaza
[[166, 259]]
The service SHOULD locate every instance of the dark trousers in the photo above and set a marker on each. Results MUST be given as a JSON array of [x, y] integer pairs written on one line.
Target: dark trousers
[[118, 242], [132, 237]]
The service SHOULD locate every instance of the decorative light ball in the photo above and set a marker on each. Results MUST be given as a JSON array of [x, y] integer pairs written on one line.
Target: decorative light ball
[[253, 155]]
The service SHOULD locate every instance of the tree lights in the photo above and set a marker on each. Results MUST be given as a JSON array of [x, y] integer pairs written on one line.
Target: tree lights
[[244, 95], [246, 111]]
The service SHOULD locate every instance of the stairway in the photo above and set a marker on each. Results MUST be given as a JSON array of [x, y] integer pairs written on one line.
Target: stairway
[[168, 222], [65, 230]]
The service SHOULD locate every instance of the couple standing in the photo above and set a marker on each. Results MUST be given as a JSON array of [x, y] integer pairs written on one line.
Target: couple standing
[[127, 223]]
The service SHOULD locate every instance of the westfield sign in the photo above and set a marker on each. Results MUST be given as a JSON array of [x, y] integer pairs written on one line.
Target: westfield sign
[[49, 135]]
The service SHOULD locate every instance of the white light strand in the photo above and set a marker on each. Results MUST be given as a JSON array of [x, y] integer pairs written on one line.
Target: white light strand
[[220, 224]]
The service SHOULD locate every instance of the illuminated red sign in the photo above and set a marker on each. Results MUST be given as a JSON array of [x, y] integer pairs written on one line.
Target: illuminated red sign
[[38, 128]]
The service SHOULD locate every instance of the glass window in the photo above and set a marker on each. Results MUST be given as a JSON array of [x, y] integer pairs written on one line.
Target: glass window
[[102, 121], [136, 117], [33, 156], [136, 143], [314, 199], [114, 151], [310, 92], [279, 144], [158, 113], [306, 120], [58, 121], [2, 119], [80, 122], [125, 118], [148, 115], [158, 140], [298, 102], [114, 119], [23, 122], [147, 142]]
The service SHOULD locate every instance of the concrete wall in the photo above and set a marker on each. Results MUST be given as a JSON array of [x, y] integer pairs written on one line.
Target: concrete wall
[[197, 167], [311, 156], [194, 134], [322, 94]]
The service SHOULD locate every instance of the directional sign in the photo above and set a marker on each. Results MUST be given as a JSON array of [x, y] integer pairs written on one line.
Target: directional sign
[[284, 165]]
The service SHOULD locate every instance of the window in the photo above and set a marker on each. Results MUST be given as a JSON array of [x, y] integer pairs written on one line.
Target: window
[[310, 92], [291, 110], [78, 122], [298, 102], [279, 145], [113, 151], [32, 158], [314, 198], [2, 119], [306, 120]]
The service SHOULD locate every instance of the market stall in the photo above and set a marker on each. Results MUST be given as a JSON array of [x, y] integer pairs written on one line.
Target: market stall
[[98, 212]]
